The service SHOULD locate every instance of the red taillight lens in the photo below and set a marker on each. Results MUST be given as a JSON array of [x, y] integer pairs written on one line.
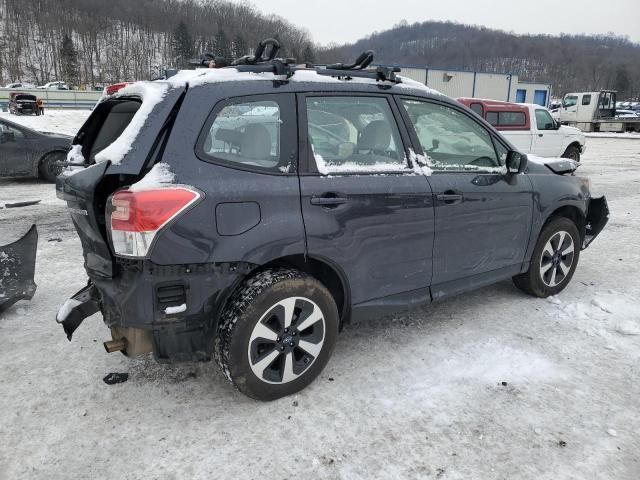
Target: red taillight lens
[[137, 216], [111, 89]]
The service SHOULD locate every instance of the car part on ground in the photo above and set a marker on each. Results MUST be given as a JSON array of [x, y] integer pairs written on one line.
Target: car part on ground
[[300, 190], [17, 268]]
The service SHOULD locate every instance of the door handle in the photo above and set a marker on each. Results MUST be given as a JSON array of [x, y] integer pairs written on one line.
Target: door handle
[[450, 197], [328, 200], [541, 134]]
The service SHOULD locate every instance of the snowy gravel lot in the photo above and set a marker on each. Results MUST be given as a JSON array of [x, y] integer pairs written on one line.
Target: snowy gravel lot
[[489, 385]]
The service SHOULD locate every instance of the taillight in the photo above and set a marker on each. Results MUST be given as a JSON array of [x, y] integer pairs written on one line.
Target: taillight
[[111, 89], [135, 217]]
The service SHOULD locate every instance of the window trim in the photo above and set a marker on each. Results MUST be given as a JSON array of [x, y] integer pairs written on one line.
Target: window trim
[[417, 146], [307, 161], [288, 133]]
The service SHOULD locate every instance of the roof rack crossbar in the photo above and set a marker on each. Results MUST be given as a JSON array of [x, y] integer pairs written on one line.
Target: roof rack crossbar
[[362, 62], [380, 74]]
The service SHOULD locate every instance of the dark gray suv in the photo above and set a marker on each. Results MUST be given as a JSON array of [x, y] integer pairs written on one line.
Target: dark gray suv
[[248, 213]]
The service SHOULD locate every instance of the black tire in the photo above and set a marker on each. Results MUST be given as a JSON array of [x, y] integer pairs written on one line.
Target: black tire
[[572, 152], [534, 281], [256, 301], [48, 169]]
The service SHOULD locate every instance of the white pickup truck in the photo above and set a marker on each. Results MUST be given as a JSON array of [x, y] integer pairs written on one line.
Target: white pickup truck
[[530, 128]]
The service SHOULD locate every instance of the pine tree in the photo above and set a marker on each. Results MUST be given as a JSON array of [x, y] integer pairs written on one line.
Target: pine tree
[[68, 61], [223, 46], [308, 55], [239, 47], [182, 45]]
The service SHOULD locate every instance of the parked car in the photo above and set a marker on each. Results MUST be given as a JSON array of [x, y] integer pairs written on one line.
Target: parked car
[[27, 153], [531, 128], [23, 103], [21, 85], [620, 113], [57, 85], [248, 221]]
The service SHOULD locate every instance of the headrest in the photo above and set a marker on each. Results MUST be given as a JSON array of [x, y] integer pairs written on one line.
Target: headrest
[[375, 136], [255, 142]]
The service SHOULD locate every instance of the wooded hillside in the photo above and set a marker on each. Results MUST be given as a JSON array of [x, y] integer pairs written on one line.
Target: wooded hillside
[[97, 41], [569, 62]]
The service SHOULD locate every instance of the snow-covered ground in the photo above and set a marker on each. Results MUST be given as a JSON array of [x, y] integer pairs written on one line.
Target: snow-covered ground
[[58, 121], [489, 385]]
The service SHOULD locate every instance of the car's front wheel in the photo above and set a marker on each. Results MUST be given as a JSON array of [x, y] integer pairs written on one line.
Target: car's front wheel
[[276, 333], [50, 166], [554, 259], [572, 152]]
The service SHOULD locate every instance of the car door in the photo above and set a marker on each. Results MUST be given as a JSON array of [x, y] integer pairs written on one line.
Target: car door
[[569, 109], [549, 140], [13, 155], [482, 214], [365, 209]]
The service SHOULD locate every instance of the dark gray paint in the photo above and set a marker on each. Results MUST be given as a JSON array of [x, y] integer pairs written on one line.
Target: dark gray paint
[[391, 243], [21, 157]]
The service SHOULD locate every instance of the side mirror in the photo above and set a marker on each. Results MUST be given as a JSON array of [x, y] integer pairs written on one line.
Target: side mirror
[[7, 137], [516, 162], [558, 124]]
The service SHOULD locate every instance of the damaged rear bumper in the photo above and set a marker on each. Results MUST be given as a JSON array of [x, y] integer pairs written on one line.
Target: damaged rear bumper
[[17, 268], [168, 310], [597, 218], [83, 304]]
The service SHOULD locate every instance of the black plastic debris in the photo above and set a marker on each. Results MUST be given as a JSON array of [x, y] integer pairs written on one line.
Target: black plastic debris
[[114, 378]]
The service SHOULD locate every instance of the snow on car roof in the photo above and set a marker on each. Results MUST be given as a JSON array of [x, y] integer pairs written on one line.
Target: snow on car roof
[[152, 93]]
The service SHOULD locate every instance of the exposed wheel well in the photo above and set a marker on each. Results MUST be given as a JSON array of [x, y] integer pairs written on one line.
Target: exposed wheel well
[[574, 214], [323, 272], [575, 144]]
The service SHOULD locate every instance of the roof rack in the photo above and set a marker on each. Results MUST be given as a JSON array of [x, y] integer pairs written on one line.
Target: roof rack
[[261, 62]]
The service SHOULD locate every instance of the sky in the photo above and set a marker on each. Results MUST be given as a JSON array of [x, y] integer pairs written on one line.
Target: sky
[[342, 21]]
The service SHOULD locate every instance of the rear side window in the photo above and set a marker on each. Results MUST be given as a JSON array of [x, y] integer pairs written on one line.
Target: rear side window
[[586, 100], [507, 119], [354, 134], [246, 134], [477, 107], [116, 120]]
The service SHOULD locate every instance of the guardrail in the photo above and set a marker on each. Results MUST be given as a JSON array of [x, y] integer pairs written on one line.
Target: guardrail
[[54, 98]]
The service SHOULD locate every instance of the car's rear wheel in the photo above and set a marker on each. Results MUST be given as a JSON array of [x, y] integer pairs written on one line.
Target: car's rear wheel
[[276, 333], [50, 166], [554, 259], [572, 152]]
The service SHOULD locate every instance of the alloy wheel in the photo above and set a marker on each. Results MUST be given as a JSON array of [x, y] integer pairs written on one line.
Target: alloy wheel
[[286, 341], [557, 259]]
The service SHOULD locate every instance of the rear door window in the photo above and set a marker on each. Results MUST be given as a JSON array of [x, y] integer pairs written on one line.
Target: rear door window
[[353, 134]]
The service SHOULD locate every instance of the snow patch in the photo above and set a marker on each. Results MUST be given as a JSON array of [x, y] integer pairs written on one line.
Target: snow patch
[[176, 309], [413, 84], [158, 176], [204, 76], [151, 94], [75, 155], [65, 310], [421, 163]]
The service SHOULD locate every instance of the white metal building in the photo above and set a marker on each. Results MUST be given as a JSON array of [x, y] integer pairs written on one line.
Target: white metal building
[[494, 86]]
